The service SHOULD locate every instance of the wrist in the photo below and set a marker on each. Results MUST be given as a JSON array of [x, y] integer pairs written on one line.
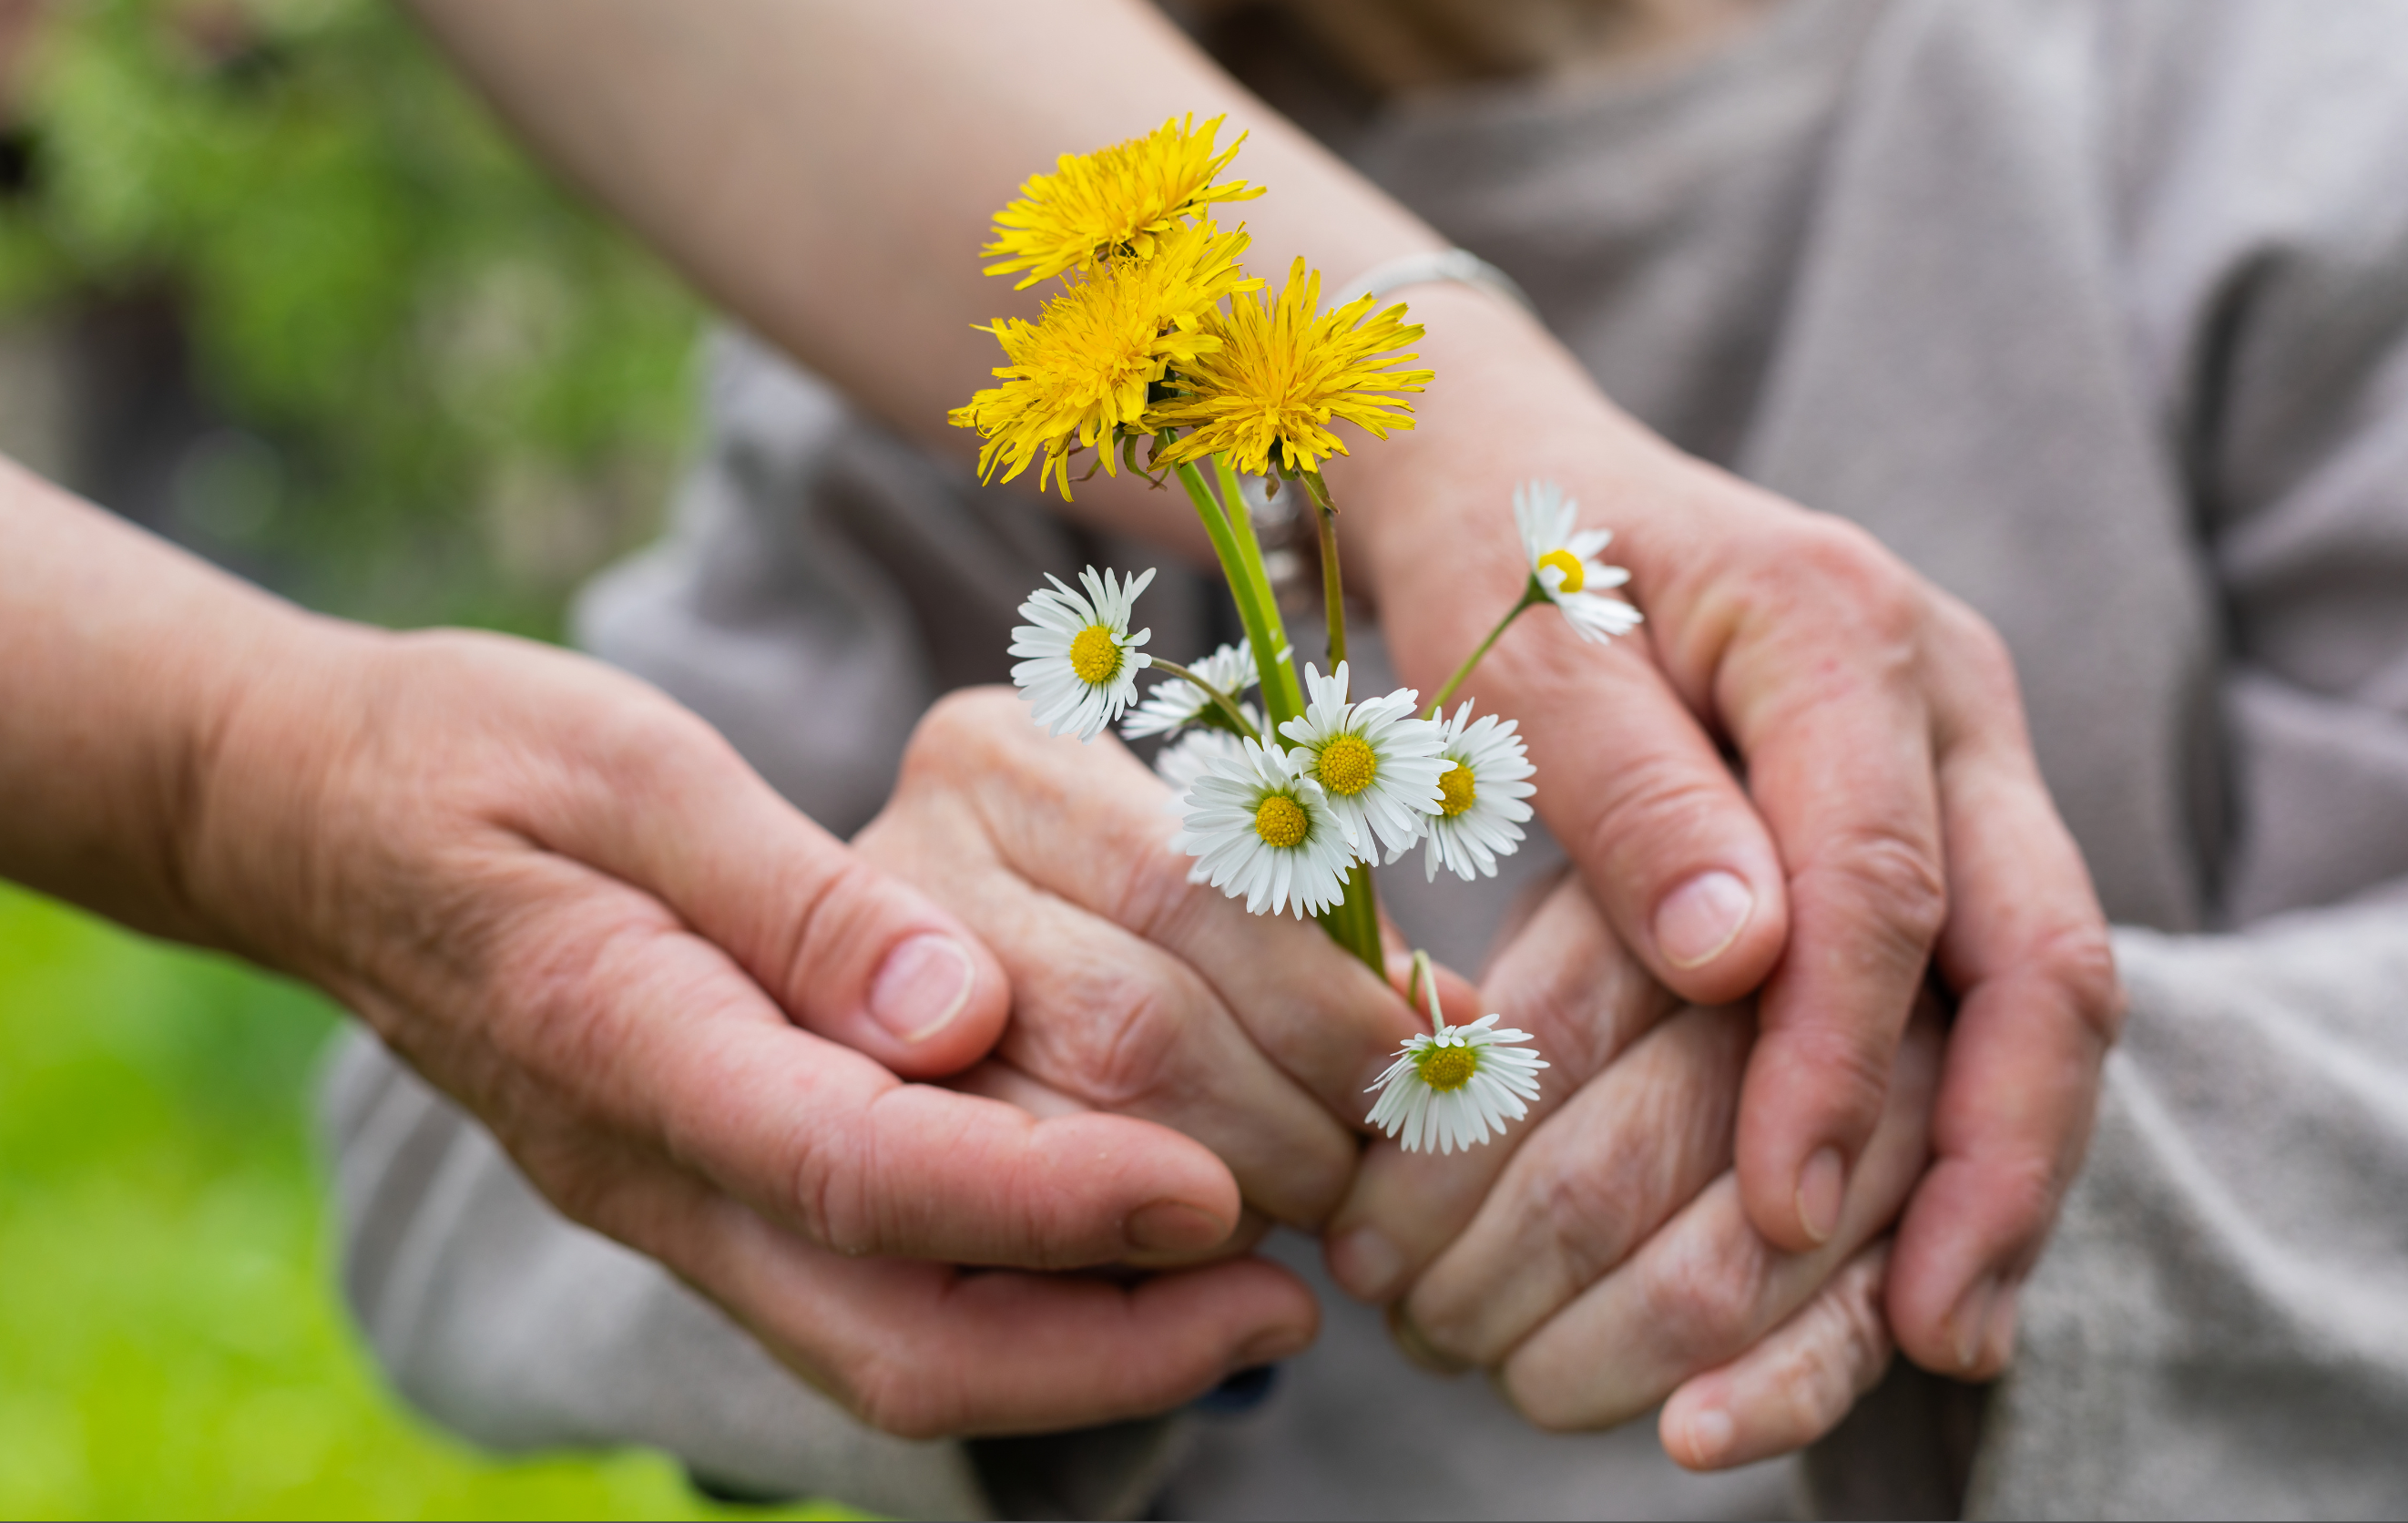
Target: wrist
[[1428, 513], [261, 755]]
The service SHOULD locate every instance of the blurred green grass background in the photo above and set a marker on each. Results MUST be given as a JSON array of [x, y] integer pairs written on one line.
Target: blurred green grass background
[[170, 1342], [273, 284]]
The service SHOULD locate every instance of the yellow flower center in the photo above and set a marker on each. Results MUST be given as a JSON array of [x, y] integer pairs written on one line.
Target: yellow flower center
[[1095, 655], [1449, 1068], [1346, 766], [1568, 563], [1455, 789], [1280, 821]]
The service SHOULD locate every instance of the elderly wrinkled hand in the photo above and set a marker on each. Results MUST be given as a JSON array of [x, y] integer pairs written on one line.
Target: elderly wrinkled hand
[[1599, 1261], [1885, 816], [694, 1019], [1135, 990]]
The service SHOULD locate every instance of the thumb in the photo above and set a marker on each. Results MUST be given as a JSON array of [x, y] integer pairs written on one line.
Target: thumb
[[850, 953]]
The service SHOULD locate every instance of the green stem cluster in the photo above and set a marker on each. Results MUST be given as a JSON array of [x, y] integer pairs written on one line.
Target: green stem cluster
[[1355, 922]]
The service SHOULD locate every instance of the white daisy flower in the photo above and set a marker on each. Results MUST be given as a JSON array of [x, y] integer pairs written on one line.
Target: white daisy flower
[[1378, 762], [1175, 703], [1186, 759], [1082, 666], [1564, 565], [1452, 1089], [1480, 810], [1258, 826]]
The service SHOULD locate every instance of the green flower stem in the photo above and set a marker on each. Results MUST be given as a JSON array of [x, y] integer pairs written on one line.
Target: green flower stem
[[1333, 587], [1355, 922], [1282, 698], [1532, 596], [1250, 551], [1425, 979], [1221, 700]]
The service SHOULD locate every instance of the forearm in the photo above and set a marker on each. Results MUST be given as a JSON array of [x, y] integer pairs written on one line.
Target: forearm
[[828, 172], [122, 660]]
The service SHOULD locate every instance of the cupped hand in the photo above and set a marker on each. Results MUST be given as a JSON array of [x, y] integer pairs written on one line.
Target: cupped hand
[[1884, 813], [1135, 990], [1599, 1261], [691, 1017]]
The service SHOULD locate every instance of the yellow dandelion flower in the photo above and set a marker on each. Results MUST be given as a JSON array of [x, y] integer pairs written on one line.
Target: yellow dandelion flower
[[1118, 199], [1282, 369], [1078, 375]]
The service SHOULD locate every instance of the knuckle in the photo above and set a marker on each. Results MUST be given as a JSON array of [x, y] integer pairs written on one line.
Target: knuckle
[[2020, 1194], [957, 728], [1652, 800], [1846, 564], [835, 894], [892, 1393], [1848, 1068], [1580, 1018], [1896, 877], [2082, 960], [1586, 1203], [1541, 1407], [836, 1188], [1706, 1297], [1978, 653], [1115, 1044]]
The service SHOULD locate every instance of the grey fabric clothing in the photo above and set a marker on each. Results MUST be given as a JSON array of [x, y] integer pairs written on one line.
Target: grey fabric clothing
[[2095, 314]]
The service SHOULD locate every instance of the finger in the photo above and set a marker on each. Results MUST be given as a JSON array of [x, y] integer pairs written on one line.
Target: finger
[[2027, 949], [1838, 743], [1707, 1285], [1565, 979], [927, 1351], [1793, 1388], [1317, 1011], [1613, 1164], [667, 806], [1000, 1081], [1672, 847], [1119, 1024], [674, 1045]]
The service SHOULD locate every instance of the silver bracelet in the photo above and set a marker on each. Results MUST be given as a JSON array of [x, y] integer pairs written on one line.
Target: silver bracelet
[[1459, 265]]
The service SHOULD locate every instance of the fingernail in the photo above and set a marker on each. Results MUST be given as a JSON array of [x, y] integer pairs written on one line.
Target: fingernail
[[1366, 1263], [1173, 1227], [923, 985], [1999, 1339], [1971, 1323], [1710, 1436], [1821, 1187], [1270, 1346], [1698, 920]]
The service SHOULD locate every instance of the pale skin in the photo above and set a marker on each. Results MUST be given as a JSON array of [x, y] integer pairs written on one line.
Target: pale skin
[[1893, 820]]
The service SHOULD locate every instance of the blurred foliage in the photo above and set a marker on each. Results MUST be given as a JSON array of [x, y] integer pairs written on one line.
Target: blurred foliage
[[170, 1344], [473, 386], [447, 392]]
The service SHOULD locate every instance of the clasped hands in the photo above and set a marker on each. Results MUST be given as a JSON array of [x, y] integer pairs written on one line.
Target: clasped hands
[[875, 1099], [1596, 1260]]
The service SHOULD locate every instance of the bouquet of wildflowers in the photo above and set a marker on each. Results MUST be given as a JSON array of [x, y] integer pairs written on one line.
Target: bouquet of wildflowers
[[1160, 339]]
